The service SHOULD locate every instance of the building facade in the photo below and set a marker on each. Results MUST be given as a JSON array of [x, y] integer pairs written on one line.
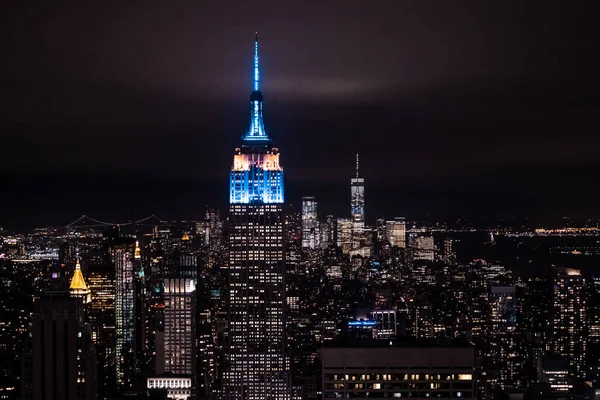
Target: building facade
[[257, 366], [179, 339], [62, 362], [388, 370], [310, 224], [125, 351], [569, 329], [357, 198], [395, 232]]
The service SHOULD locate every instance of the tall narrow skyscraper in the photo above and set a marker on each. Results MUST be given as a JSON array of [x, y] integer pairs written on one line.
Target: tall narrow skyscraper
[[310, 223], [570, 323], [62, 362], [123, 258], [257, 367], [357, 198], [180, 307]]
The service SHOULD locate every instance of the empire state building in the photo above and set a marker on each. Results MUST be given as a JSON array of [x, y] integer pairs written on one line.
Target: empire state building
[[257, 367]]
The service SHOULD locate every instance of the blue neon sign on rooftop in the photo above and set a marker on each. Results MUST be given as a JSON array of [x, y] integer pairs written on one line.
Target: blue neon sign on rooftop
[[362, 323]]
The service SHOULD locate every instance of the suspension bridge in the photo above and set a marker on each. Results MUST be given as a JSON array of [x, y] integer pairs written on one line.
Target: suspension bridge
[[86, 221]]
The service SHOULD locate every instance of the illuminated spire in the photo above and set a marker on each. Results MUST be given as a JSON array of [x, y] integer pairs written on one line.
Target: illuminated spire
[[357, 165], [137, 253], [257, 128], [256, 71]]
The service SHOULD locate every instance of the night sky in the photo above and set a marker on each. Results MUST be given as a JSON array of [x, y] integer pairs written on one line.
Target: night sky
[[457, 108]]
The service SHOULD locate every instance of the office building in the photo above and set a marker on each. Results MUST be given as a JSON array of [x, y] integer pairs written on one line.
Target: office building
[[310, 224], [344, 234], [555, 372], [357, 199], [179, 311], [101, 282], [62, 363], [122, 254], [394, 369], [503, 317], [256, 355], [386, 324], [395, 232], [78, 287], [422, 247]]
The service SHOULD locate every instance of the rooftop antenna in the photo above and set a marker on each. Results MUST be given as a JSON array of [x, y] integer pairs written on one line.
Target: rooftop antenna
[[256, 71]]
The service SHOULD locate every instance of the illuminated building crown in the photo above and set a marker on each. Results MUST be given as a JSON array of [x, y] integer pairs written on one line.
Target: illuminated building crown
[[77, 282], [78, 286], [256, 176]]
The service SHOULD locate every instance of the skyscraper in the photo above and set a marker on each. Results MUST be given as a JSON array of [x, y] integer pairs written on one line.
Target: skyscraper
[[101, 280], [344, 234], [310, 223], [569, 333], [63, 359], [78, 286], [361, 238], [257, 364], [503, 319], [357, 198], [395, 232], [180, 307], [123, 257]]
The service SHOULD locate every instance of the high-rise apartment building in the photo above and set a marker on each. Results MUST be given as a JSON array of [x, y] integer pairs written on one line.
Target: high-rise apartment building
[[310, 224], [257, 366], [569, 328]]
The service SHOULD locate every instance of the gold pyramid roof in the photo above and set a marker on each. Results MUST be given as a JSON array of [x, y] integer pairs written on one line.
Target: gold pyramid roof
[[78, 283], [185, 236]]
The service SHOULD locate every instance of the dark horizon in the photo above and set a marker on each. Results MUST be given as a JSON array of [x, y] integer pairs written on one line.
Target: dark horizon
[[188, 199]]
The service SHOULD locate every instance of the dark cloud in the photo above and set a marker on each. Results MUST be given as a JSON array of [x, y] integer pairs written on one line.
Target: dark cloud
[[438, 97]]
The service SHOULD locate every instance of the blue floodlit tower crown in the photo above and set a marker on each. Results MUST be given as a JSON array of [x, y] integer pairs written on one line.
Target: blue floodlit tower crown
[[257, 127], [256, 176]]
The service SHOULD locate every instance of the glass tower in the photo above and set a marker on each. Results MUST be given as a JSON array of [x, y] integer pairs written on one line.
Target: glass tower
[[357, 198], [257, 367], [123, 257], [310, 223]]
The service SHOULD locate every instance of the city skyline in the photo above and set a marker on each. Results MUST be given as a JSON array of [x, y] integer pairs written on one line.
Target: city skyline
[[461, 115], [411, 214]]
